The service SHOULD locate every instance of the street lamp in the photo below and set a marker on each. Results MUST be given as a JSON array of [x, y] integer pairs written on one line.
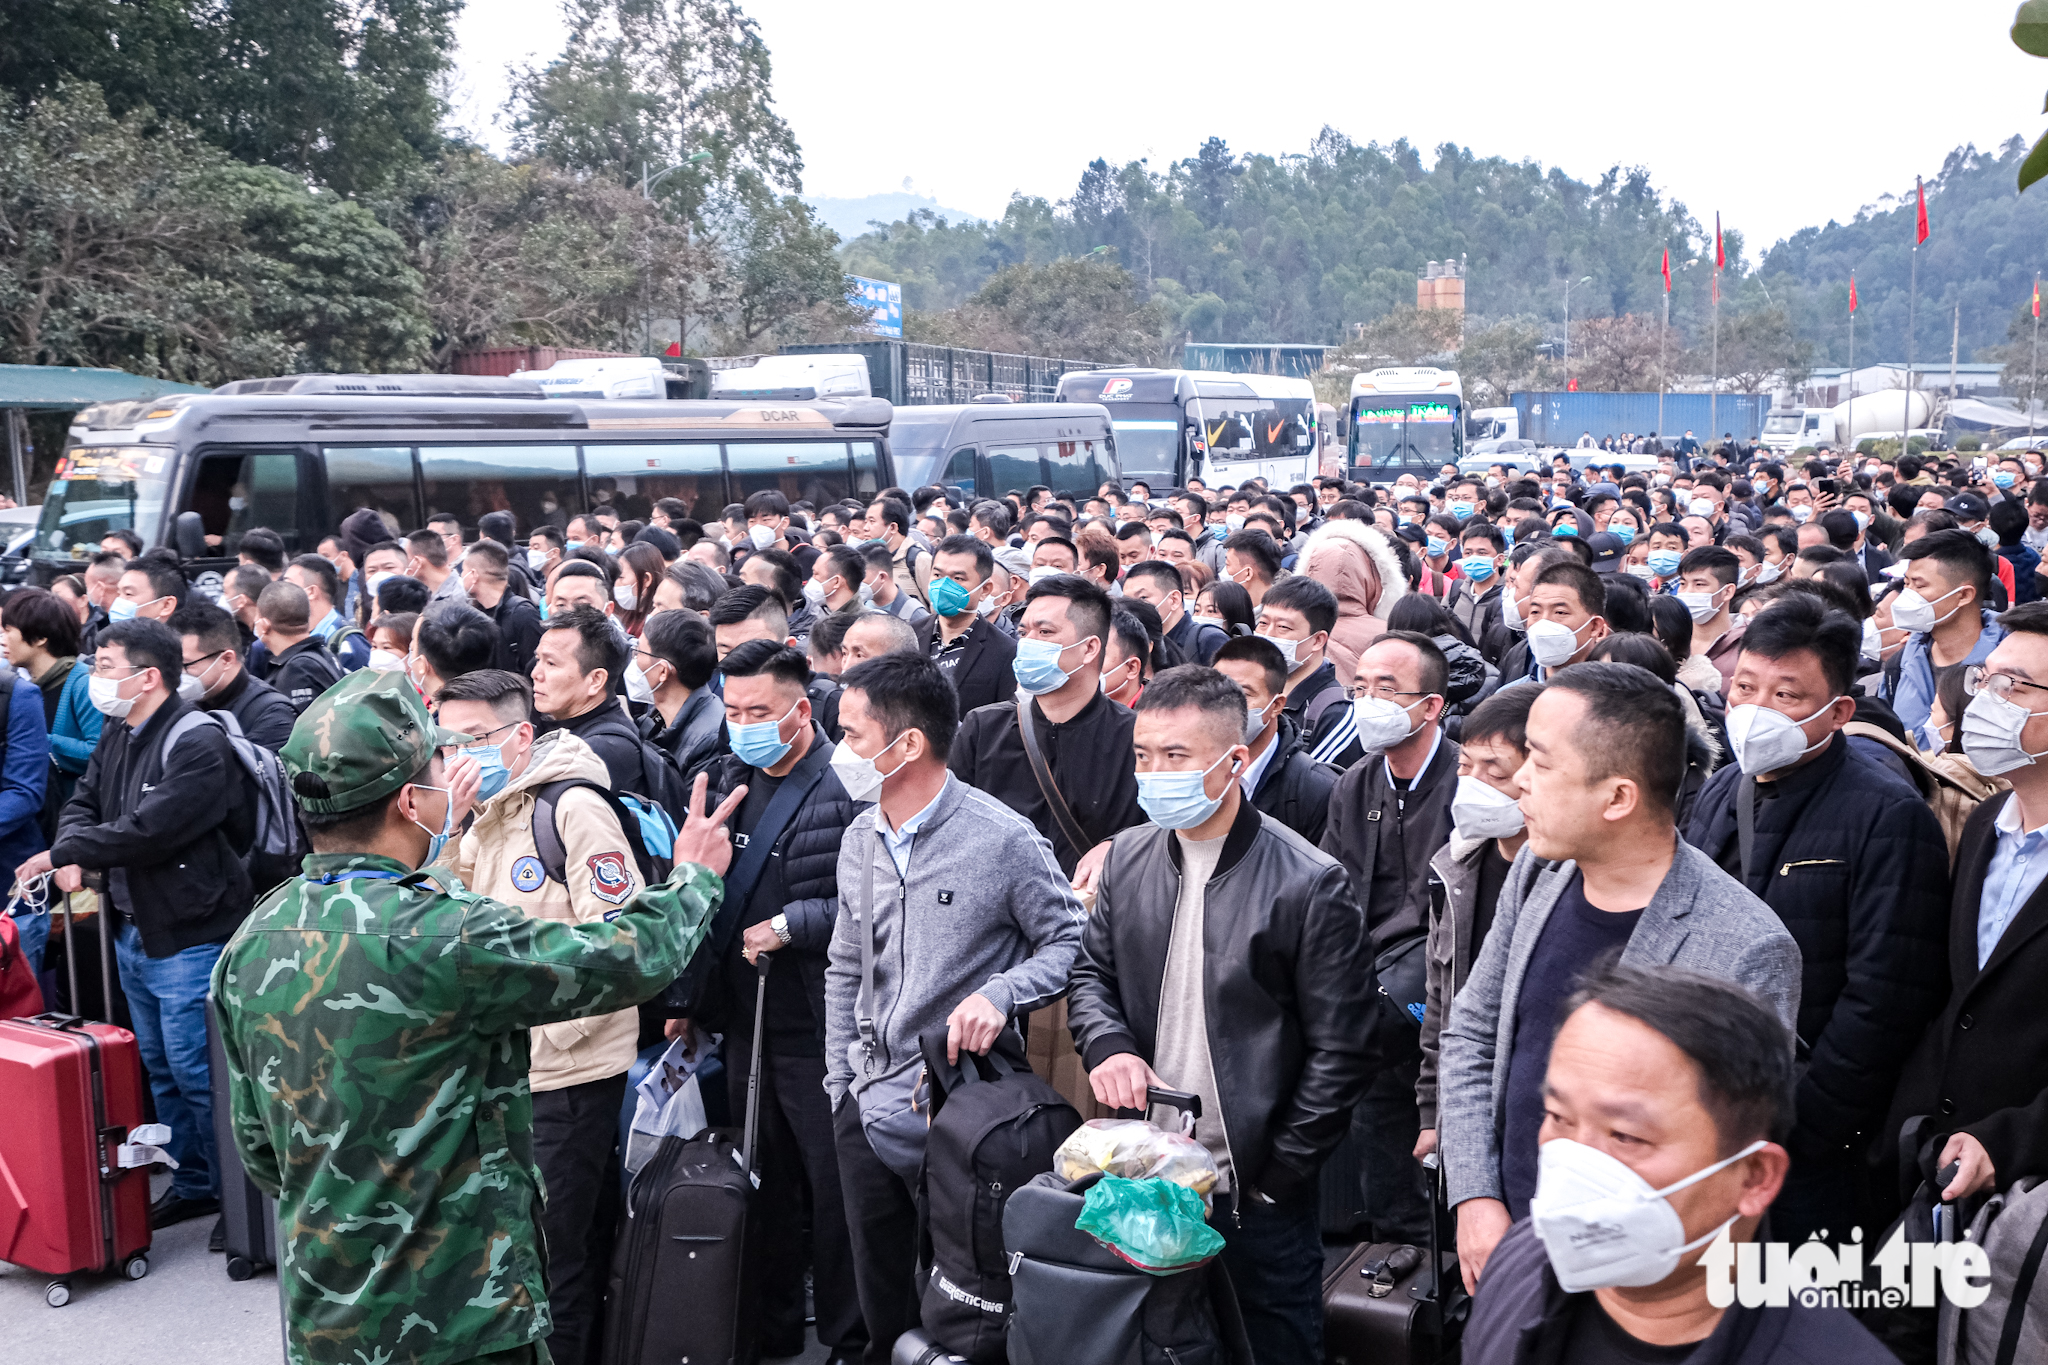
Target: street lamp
[[648, 182], [647, 185], [1569, 285]]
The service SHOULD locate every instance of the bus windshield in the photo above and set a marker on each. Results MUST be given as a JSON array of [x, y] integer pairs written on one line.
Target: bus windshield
[[1147, 441], [100, 489], [1255, 428], [1391, 431]]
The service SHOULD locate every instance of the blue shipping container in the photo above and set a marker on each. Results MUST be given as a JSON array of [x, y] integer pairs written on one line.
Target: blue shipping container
[[1561, 418]]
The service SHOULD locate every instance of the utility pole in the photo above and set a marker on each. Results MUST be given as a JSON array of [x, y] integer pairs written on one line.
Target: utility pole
[[1955, 342], [2034, 366]]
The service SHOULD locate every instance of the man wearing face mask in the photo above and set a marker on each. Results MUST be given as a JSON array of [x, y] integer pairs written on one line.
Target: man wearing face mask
[[671, 669], [1298, 616], [578, 1069], [782, 898], [164, 821], [1389, 814], [1664, 1110], [487, 578], [878, 577], [1158, 584], [301, 666], [1565, 617], [1948, 580], [968, 648], [835, 582], [1508, 641], [215, 680], [1468, 872], [972, 928], [1706, 585], [1083, 737], [1603, 869], [1854, 862], [1475, 595], [1280, 778], [574, 689], [1224, 957], [408, 1054]]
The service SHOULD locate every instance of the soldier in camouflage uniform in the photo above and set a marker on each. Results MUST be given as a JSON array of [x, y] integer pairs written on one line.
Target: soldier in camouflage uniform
[[375, 1022]]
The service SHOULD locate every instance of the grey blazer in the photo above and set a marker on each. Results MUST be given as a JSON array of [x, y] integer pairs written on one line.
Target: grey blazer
[[1700, 918]]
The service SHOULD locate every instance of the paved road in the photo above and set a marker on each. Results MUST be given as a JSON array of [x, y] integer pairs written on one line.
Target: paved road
[[185, 1312]]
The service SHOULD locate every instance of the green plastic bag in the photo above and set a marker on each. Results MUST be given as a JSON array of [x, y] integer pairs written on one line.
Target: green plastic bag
[[1156, 1225]]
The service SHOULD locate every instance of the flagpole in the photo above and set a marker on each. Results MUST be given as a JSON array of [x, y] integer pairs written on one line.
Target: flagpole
[[1663, 380], [1714, 396], [1912, 308], [1851, 438], [2034, 367], [1955, 341]]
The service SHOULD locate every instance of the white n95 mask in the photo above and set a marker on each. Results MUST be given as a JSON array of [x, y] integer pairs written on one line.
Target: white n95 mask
[[1765, 740], [1381, 723], [1552, 643], [1993, 727], [1602, 1225], [1480, 810]]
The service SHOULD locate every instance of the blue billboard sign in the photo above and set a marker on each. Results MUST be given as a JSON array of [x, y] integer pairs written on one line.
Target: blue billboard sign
[[883, 302]]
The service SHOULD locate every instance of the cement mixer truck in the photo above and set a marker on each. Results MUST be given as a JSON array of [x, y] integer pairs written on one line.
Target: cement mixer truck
[[1883, 413]]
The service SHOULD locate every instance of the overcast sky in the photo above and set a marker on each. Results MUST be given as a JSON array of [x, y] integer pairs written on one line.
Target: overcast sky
[[1779, 113]]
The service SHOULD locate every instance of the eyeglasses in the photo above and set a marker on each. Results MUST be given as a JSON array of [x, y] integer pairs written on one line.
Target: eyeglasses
[[109, 670], [1387, 692], [1977, 679]]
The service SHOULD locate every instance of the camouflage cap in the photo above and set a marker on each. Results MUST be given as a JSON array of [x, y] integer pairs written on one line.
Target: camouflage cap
[[361, 740]]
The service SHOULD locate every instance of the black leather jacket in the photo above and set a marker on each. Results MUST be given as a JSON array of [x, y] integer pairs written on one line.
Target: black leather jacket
[[1288, 988]]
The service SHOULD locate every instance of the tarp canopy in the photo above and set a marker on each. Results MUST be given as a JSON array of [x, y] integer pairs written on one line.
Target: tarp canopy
[[60, 386], [1974, 414]]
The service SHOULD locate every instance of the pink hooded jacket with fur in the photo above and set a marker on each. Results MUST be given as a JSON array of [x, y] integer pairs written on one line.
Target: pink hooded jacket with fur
[[1354, 561]]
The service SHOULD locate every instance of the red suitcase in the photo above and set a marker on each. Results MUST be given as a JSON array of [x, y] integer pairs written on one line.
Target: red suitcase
[[70, 1092]]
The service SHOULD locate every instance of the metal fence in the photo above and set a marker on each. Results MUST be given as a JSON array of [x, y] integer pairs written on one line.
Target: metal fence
[[910, 373]]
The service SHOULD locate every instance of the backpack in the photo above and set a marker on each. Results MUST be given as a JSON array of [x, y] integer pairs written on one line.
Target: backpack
[[2012, 1227], [265, 834], [1949, 785], [649, 830], [993, 1126], [338, 641]]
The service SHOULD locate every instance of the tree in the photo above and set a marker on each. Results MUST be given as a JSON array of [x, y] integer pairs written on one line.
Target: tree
[[1082, 308], [785, 269], [1757, 350], [344, 94], [1622, 355], [1496, 361], [1406, 336], [131, 243]]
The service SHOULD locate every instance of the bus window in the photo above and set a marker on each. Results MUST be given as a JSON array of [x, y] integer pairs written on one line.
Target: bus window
[[960, 472], [537, 484], [1096, 454], [637, 476], [1068, 471], [867, 466], [802, 471], [1012, 469], [235, 491], [376, 477]]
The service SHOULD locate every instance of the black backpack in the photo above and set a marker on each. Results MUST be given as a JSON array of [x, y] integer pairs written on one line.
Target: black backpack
[[641, 821], [993, 1126]]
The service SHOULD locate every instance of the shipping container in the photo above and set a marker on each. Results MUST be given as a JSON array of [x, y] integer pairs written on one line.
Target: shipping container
[[910, 373], [1559, 419], [504, 360]]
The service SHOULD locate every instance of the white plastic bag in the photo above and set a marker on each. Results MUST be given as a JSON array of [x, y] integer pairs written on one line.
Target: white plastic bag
[[670, 1102]]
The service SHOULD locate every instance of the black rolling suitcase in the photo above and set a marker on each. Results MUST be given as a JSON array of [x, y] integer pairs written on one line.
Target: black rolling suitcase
[[249, 1215], [1385, 1305], [683, 1285]]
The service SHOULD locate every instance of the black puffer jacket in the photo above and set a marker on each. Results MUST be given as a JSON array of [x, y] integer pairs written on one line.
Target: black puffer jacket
[[1287, 979], [1295, 789], [1855, 864], [801, 881], [695, 738]]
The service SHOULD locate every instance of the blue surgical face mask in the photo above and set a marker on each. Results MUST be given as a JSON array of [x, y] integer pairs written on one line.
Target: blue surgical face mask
[[1478, 568], [760, 744], [1037, 665], [1664, 563], [437, 842], [1461, 510], [1624, 534], [124, 609], [1177, 800], [949, 596], [1436, 546], [2003, 478], [490, 758], [1565, 528]]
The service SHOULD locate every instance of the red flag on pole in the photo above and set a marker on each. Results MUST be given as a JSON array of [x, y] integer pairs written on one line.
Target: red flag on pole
[[675, 349], [1852, 291], [1920, 227], [1667, 269], [2037, 296], [1720, 257]]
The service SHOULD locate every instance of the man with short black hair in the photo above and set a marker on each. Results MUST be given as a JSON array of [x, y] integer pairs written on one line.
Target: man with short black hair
[[1683, 1080], [754, 613], [449, 641], [890, 521], [102, 583], [296, 662], [1252, 560], [260, 546], [1280, 777], [1853, 861], [972, 653], [1566, 616], [1082, 737], [1225, 957], [972, 927], [1945, 606], [1603, 869], [322, 586], [1298, 616], [212, 655], [835, 581], [430, 560], [674, 659], [1706, 586], [487, 578], [575, 673], [1157, 583]]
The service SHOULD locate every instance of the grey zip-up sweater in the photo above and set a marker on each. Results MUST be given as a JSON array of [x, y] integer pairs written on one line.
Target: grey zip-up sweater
[[984, 910]]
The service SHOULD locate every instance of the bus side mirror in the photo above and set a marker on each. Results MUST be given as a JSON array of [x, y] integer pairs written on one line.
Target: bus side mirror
[[188, 533]]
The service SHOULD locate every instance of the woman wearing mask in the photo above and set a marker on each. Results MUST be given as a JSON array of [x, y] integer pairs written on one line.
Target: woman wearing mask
[[1225, 605], [640, 569]]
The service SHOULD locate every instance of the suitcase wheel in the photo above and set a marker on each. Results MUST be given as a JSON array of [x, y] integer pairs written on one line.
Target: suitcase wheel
[[58, 1294], [240, 1268], [135, 1267]]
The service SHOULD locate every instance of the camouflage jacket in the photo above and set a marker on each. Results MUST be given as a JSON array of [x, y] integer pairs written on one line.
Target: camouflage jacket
[[375, 1027]]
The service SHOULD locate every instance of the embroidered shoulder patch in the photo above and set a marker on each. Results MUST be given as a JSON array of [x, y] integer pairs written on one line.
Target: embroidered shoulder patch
[[609, 879]]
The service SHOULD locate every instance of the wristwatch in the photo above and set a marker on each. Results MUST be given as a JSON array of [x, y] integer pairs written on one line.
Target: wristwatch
[[780, 924]]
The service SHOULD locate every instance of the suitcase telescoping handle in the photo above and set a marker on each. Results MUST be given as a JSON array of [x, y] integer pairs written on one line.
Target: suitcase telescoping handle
[[762, 962], [1188, 1102]]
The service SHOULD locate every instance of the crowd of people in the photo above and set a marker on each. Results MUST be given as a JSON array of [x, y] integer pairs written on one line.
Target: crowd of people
[[1591, 831]]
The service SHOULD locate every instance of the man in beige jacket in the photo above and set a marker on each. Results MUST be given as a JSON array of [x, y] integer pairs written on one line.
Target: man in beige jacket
[[579, 1067]]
